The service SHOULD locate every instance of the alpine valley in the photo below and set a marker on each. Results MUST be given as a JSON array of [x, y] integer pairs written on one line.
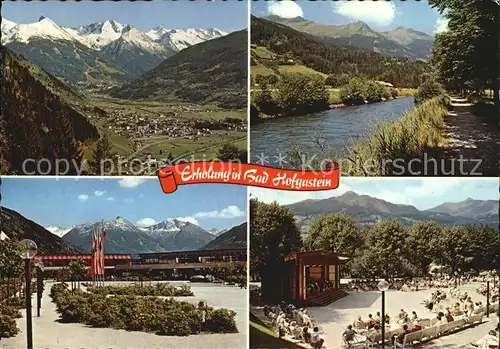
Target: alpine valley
[[107, 89], [122, 236]]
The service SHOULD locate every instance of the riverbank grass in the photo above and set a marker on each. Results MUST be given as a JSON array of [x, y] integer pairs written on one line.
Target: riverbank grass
[[420, 129]]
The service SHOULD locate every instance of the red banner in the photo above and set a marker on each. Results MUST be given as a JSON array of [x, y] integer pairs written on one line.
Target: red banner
[[248, 174]]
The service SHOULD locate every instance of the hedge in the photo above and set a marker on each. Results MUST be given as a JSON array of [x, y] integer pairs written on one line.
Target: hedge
[[147, 314]]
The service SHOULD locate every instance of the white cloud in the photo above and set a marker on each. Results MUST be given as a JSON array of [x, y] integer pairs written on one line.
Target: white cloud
[[83, 197], [130, 182], [285, 9], [373, 12], [441, 25], [188, 219], [99, 192], [231, 211], [146, 222], [129, 200], [110, 199]]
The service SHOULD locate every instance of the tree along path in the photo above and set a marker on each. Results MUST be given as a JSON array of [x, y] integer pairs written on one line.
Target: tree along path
[[472, 133]]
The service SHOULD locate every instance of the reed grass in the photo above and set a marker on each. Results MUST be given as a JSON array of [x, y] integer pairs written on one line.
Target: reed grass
[[420, 129]]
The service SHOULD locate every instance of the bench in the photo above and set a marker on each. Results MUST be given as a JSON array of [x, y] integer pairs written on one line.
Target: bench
[[408, 339]]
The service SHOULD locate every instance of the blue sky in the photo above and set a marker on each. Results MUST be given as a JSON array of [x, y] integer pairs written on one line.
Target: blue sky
[[423, 193], [65, 202], [228, 16], [380, 15]]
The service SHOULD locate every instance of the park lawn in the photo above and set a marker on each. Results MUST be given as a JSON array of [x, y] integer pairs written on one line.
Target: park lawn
[[181, 146]]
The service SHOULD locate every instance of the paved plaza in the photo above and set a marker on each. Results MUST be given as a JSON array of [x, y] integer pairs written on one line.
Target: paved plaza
[[49, 333], [334, 318]]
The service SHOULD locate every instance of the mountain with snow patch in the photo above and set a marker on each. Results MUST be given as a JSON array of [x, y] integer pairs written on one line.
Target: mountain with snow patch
[[124, 237], [122, 51], [58, 231], [178, 235], [216, 232]]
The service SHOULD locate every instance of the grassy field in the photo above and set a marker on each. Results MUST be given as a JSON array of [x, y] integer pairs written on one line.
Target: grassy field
[[204, 112], [300, 69], [208, 145]]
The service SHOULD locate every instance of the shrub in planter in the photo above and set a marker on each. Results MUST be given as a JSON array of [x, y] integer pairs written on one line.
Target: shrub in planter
[[165, 290], [221, 321], [11, 311], [100, 311], [8, 326], [175, 323], [71, 305]]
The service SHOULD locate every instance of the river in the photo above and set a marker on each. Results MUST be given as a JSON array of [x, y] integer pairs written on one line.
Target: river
[[339, 127]]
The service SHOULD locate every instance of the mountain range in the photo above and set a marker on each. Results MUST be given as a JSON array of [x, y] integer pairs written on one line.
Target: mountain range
[[367, 210], [124, 237], [105, 51], [400, 42], [211, 72], [277, 47], [121, 236]]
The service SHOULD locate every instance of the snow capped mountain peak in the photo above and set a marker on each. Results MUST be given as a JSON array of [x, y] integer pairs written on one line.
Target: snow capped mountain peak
[[112, 26], [109, 35], [7, 25], [58, 230], [44, 28]]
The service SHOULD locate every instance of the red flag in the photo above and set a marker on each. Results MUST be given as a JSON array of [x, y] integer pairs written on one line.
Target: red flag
[[93, 270], [102, 237]]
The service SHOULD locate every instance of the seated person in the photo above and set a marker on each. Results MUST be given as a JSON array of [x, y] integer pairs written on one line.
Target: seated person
[[372, 333], [359, 324], [294, 330], [387, 319], [414, 316], [400, 337], [377, 317], [316, 342], [448, 316], [306, 336], [349, 334], [371, 321], [401, 316], [456, 309]]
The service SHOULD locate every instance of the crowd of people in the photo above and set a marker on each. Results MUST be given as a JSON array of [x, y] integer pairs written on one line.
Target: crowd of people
[[409, 285], [494, 291], [318, 286], [294, 323], [448, 302]]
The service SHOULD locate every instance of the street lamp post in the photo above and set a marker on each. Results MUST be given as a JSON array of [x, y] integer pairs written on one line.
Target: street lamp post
[[39, 285], [27, 252], [383, 286], [488, 298]]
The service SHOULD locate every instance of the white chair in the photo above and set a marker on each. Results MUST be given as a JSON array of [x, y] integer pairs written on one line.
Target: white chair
[[429, 332]]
